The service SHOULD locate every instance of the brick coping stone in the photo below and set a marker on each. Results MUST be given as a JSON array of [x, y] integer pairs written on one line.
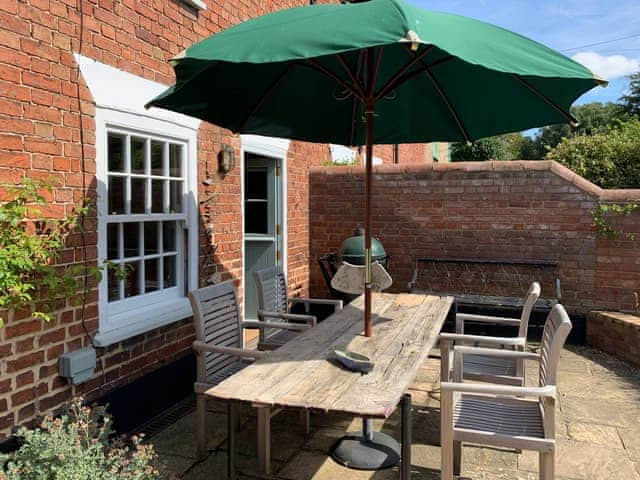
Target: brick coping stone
[[613, 195], [628, 319]]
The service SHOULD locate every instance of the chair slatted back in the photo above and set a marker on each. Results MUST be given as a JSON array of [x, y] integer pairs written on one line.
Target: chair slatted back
[[217, 321], [533, 294], [556, 329], [272, 289]]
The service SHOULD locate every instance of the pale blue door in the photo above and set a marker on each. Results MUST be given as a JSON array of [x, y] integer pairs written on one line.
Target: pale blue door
[[262, 222]]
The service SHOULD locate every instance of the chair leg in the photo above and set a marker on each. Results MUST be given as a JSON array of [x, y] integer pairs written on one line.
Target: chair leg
[[457, 457], [445, 360], [201, 427], [446, 435], [547, 465]]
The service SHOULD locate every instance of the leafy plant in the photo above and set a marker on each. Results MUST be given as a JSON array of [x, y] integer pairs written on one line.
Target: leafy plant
[[600, 220], [78, 446], [30, 248], [610, 159]]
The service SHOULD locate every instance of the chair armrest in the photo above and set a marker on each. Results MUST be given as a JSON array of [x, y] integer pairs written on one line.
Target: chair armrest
[[233, 351], [299, 327], [318, 301], [308, 319], [494, 352], [463, 338], [499, 390], [464, 317]]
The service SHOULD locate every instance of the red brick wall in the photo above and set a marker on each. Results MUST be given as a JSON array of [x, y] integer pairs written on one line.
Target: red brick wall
[[615, 333], [491, 210], [40, 133], [618, 258]]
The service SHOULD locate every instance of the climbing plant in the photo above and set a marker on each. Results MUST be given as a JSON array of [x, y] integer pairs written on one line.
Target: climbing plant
[[601, 220], [30, 249]]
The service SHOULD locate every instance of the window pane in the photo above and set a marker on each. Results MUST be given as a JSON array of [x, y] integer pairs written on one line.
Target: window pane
[[169, 236], [175, 160], [116, 195], [137, 155], [131, 233], [138, 195], [175, 196], [157, 158], [113, 284], [157, 196], [132, 280], [115, 152], [255, 218], [113, 241], [170, 271], [151, 275], [256, 185], [151, 238]]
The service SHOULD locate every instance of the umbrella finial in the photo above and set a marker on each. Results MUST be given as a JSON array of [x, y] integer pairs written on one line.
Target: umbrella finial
[[413, 38]]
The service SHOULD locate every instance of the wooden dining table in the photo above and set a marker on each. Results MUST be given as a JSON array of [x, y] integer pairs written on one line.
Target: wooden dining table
[[304, 374]]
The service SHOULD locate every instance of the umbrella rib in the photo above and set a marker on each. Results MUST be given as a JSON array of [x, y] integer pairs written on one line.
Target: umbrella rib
[[346, 68], [374, 78], [566, 115], [324, 70], [353, 120], [447, 102], [265, 95], [399, 77]]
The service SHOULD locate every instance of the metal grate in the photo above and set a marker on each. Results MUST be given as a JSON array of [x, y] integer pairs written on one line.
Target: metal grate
[[167, 418]]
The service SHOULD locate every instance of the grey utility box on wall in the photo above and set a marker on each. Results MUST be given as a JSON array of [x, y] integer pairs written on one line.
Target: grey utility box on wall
[[77, 366]]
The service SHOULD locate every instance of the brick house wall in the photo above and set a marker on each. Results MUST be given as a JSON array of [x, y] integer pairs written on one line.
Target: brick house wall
[[48, 131], [483, 210]]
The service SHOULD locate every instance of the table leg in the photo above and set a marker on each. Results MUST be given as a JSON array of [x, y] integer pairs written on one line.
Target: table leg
[[405, 466], [232, 432], [264, 439]]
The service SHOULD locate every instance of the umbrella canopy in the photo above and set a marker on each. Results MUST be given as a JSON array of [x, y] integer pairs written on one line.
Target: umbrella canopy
[[326, 73], [293, 74]]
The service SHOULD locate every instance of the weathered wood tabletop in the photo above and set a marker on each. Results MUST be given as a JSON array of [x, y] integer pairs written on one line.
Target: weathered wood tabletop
[[301, 374]]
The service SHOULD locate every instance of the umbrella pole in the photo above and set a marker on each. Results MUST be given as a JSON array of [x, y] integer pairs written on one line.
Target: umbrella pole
[[367, 221]]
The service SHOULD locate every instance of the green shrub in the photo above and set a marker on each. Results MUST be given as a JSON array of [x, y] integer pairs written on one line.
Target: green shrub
[[78, 446], [610, 159]]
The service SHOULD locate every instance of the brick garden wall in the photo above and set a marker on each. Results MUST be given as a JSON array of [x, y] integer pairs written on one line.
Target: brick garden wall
[[504, 211]]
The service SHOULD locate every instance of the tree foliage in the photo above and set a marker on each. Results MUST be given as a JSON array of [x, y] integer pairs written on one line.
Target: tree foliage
[[631, 101], [610, 159], [484, 149]]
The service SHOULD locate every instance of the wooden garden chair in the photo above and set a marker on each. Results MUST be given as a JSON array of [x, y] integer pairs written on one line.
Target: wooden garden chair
[[219, 344], [274, 303], [503, 370], [500, 415]]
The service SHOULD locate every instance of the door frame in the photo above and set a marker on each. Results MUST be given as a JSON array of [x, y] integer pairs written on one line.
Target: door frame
[[278, 149]]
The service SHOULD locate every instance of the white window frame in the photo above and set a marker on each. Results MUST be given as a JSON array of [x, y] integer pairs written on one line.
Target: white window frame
[[149, 311]]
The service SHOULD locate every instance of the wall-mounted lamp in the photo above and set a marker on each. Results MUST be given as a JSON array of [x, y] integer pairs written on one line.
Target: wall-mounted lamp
[[226, 159]]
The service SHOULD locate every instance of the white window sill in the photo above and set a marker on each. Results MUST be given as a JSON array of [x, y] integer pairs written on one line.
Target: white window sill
[[141, 320], [197, 4]]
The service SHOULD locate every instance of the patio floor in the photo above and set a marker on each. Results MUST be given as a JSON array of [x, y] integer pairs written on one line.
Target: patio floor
[[598, 434]]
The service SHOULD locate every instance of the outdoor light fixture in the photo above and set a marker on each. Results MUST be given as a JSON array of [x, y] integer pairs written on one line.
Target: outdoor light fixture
[[226, 158]]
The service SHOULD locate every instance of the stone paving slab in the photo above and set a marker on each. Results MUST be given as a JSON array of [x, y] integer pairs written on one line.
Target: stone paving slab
[[598, 433]]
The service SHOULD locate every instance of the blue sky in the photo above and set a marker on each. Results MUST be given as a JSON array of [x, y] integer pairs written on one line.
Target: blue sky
[[565, 25]]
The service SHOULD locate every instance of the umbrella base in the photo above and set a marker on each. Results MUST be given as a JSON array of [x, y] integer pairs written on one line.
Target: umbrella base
[[378, 453]]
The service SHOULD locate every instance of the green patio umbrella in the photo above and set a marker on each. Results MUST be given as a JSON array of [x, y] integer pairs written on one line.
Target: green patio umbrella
[[376, 72]]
